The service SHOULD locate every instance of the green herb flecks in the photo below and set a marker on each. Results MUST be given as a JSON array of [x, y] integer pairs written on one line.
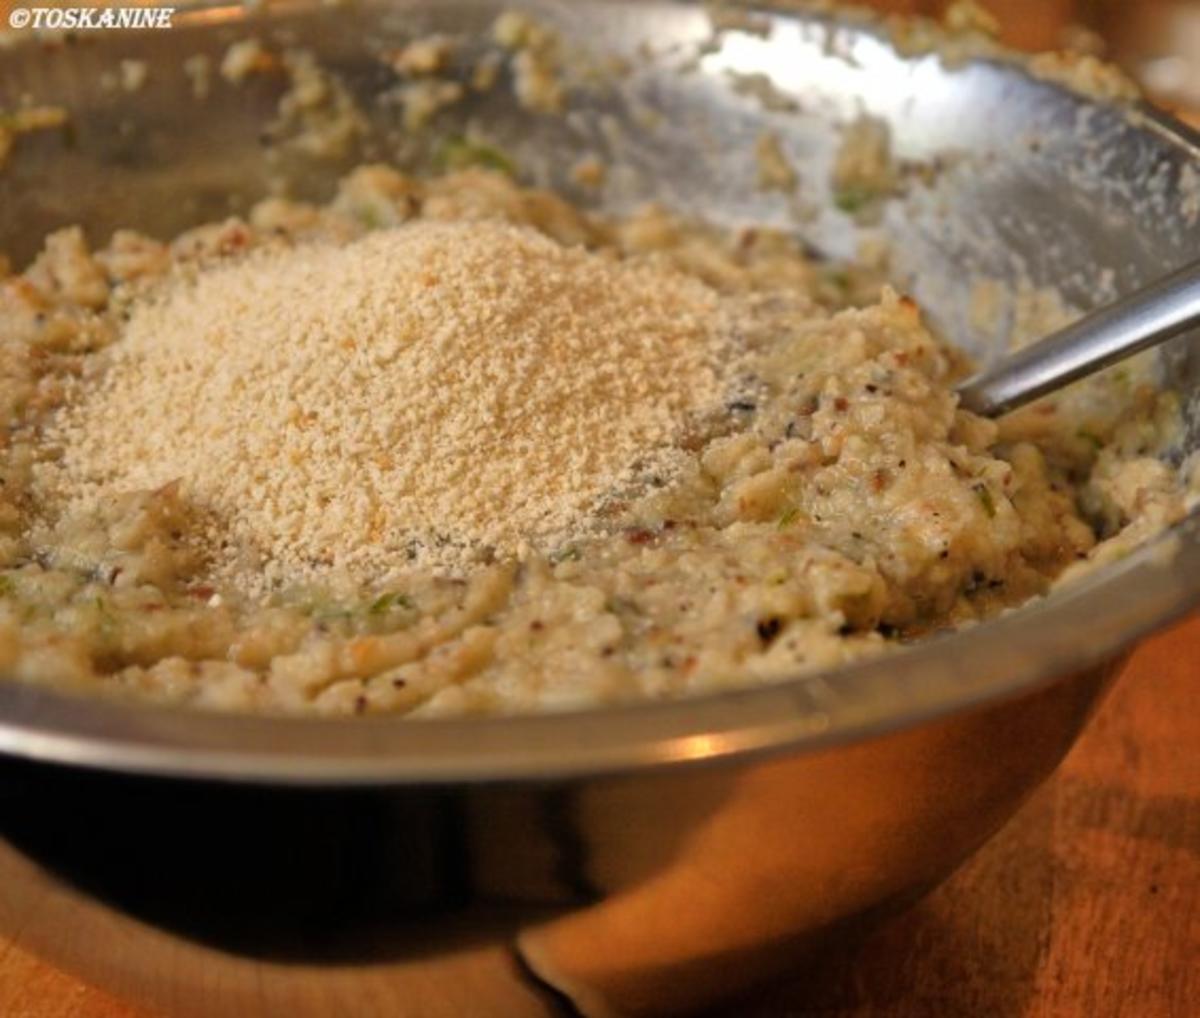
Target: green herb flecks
[[852, 199], [370, 217], [106, 619], [463, 153], [788, 518], [984, 494], [840, 280], [387, 602], [323, 612]]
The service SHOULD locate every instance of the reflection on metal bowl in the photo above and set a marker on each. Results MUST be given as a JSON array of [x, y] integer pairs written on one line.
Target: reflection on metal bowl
[[639, 893], [635, 860]]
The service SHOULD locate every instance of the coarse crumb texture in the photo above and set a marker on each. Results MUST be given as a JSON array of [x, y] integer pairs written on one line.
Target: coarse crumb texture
[[452, 446], [425, 394]]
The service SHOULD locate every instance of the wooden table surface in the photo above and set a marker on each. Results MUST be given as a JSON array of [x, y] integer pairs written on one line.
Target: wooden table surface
[[1088, 903]]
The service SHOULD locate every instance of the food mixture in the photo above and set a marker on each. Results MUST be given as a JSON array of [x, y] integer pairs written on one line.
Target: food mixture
[[452, 445]]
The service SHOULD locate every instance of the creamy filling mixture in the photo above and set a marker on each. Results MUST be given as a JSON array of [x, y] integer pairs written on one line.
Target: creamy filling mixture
[[453, 446]]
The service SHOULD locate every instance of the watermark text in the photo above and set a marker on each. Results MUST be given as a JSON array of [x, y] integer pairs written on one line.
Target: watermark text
[[85, 19]]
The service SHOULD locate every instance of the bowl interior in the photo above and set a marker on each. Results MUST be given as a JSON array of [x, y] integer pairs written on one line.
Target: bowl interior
[[1021, 183]]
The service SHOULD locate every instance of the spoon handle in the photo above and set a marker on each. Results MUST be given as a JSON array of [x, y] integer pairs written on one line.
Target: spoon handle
[[1159, 312]]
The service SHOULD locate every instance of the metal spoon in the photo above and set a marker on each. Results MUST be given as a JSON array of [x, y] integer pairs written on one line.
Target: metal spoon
[[1144, 319]]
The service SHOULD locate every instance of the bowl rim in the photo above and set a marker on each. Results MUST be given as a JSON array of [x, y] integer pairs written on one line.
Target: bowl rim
[[1082, 627]]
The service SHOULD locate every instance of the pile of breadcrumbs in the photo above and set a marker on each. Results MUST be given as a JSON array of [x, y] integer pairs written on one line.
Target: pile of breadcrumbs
[[420, 394]]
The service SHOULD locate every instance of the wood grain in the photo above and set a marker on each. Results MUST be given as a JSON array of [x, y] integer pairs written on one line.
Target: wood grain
[[1088, 903]]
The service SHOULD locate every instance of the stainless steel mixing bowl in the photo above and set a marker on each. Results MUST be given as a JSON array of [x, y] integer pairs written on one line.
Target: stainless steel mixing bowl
[[645, 859]]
